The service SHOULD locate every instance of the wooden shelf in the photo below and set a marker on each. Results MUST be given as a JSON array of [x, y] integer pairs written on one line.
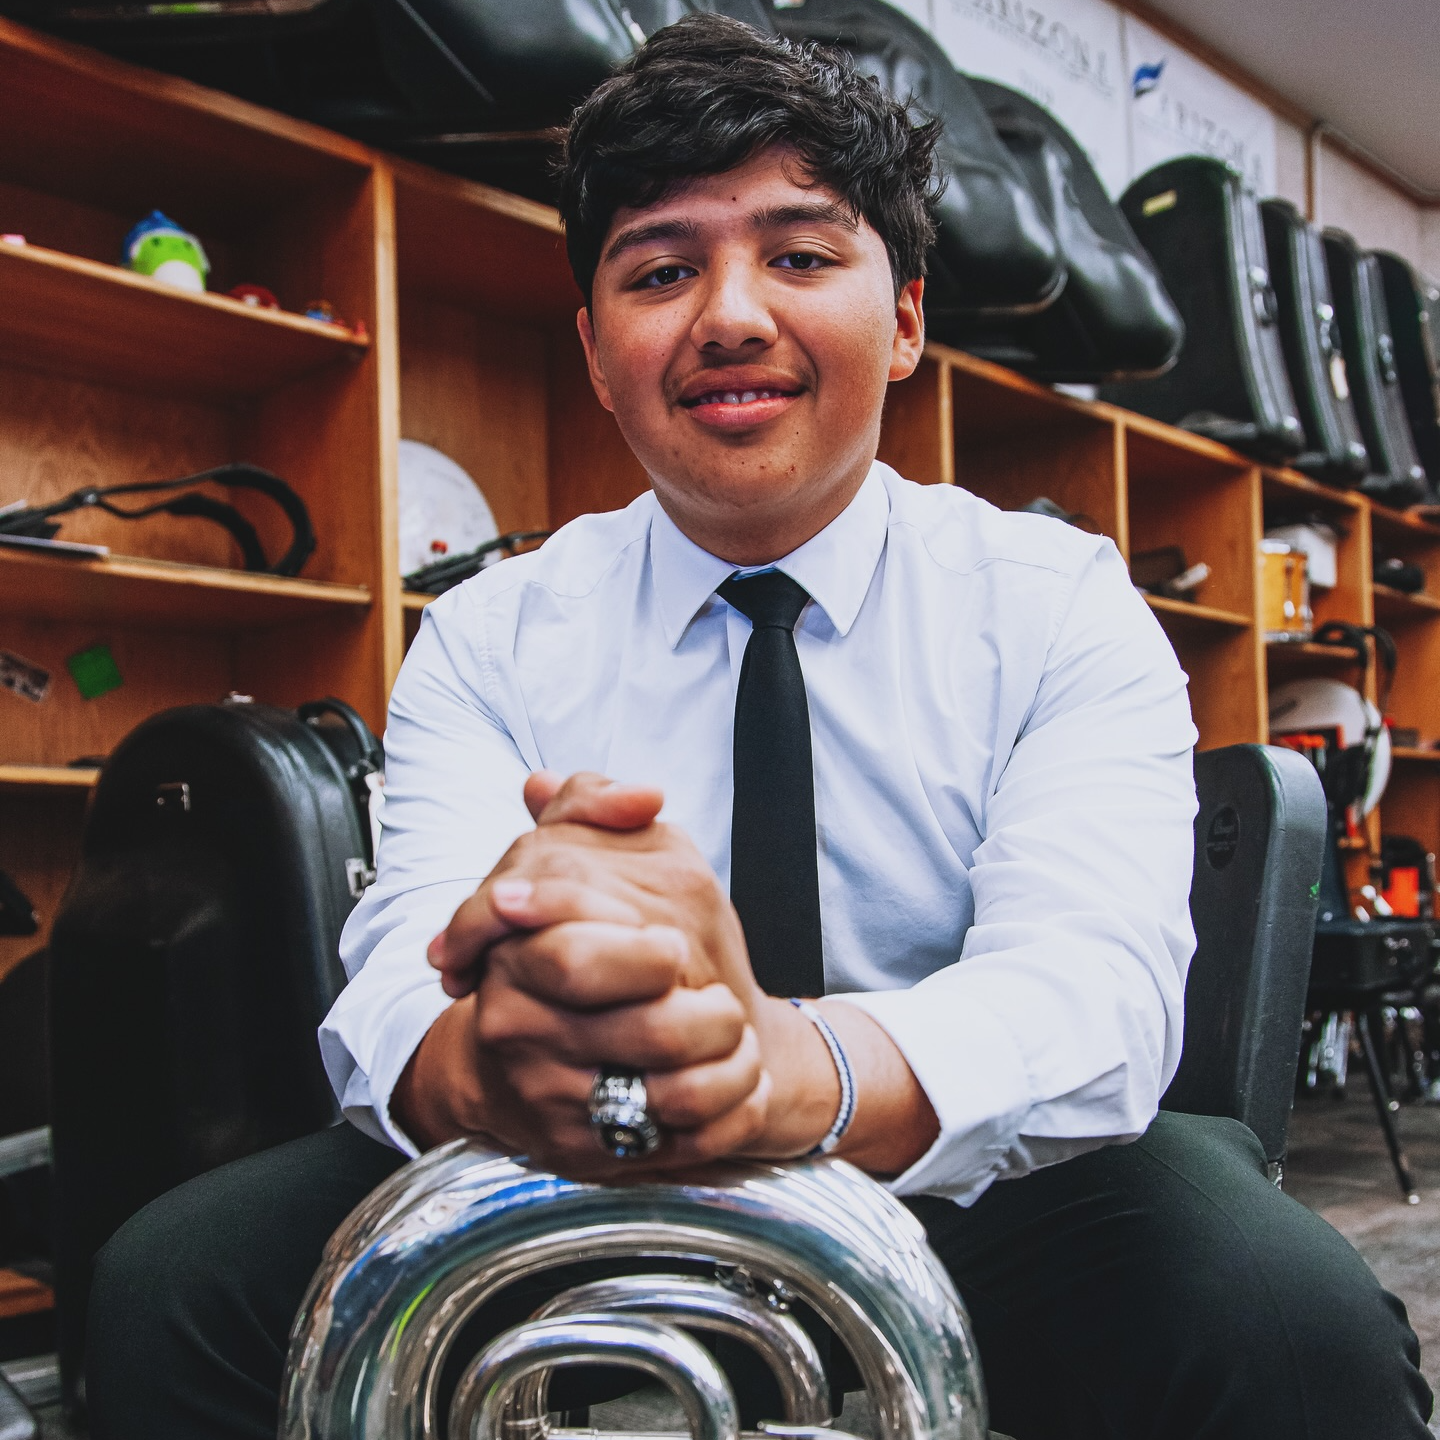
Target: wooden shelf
[[164, 594], [1199, 615], [99, 322], [48, 777], [1291, 485], [1307, 651], [1397, 605], [1414, 755], [22, 1295], [411, 600], [1405, 523]]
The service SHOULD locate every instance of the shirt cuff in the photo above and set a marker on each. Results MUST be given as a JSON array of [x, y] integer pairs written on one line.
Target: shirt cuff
[[972, 1071], [365, 1093]]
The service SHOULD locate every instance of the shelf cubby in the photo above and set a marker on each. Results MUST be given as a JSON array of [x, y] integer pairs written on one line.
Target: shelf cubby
[[103, 323], [1015, 441], [491, 372]]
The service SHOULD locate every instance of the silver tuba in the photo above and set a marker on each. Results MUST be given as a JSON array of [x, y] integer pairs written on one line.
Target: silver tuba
[[452, 1230]]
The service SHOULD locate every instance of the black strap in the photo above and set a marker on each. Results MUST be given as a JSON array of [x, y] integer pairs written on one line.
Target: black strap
[[445, 574], [1354, 637], [774, 870], [39, 520]]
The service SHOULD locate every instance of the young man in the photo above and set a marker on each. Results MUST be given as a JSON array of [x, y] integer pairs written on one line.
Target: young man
[[937, 756]]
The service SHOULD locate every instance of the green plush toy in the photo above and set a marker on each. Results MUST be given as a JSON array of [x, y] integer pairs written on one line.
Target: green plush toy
[[159, 248]]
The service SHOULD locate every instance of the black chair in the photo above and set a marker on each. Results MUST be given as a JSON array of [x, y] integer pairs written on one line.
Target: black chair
[[1259, 842]]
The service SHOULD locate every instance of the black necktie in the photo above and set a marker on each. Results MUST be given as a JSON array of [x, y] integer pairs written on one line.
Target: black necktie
[[774, 874]]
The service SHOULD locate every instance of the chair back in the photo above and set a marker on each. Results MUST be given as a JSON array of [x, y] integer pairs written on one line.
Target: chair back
[[1259, 842]]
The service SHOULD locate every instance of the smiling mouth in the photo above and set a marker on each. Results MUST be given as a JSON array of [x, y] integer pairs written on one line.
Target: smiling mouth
[[737, 397]]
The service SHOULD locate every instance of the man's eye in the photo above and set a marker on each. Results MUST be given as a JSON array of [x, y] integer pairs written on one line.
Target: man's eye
[[666, 275], [802, 260]]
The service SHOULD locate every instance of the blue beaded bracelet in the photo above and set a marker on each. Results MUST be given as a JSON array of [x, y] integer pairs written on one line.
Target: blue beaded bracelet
[[846, 1113]]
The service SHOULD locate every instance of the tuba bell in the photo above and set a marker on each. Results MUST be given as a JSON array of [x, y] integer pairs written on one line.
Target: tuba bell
[[454, 1229]]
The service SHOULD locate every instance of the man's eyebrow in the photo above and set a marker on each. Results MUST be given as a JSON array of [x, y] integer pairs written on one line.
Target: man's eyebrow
[[776, 217], [648, 234], [805, 212]]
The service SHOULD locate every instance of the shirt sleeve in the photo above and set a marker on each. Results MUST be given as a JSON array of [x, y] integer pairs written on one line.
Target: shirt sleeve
[[1060, 1025], [454, 778]]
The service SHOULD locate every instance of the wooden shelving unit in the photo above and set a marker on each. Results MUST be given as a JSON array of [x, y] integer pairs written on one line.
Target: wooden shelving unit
[[106, 324], [48, 777], [468, 344], [163, 593], [107, 377]]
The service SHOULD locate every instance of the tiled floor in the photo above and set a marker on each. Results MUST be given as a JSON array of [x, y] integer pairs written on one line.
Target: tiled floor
[[1339, 1167]]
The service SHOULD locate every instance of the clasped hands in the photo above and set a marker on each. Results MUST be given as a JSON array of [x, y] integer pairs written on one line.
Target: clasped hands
[[603, 938]]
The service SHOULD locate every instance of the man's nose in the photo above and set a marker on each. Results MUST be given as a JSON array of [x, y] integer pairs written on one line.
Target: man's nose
[[734, 312]]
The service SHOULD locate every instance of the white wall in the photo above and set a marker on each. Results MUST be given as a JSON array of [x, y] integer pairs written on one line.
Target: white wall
[[1018, 42], [1377, 215]]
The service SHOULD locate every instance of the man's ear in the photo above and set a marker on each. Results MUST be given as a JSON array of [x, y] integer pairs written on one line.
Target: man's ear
[[592, 358], [909, 331]]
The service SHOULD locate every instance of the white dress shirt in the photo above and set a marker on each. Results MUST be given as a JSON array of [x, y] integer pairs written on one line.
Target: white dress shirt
[[1003, 796]]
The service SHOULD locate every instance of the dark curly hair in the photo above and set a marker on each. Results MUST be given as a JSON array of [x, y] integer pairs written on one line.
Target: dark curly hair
[[707, 94]]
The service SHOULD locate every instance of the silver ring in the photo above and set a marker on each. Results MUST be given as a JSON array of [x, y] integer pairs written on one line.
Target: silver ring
[[618, 1115]]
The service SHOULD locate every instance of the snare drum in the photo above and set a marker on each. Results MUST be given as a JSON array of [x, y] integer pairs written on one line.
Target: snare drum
[[1285, 613]]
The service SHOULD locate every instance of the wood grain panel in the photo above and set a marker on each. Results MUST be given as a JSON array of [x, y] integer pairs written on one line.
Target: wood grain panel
[[23, 1295], [1411, 803], [1076, 464], [591, 466], [1415, 697], [1226, 681], [1211, 518], [917, 430], [466, 244], [130, 140], [58, 435], [159, 670], [474, 387], [323, 656]]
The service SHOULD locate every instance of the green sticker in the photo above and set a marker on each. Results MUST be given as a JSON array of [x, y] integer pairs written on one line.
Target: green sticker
[[94, 671], [1314, 889]]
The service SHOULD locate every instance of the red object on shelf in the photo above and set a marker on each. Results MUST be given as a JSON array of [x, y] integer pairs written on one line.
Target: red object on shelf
[[256, 295], [1403, 892]]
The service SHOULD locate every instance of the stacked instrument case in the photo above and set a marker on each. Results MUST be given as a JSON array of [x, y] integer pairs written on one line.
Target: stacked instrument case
[[1114, 319], [194, 957], [1396, 476], [1309, 334], [1413, 304], [1201, 224]]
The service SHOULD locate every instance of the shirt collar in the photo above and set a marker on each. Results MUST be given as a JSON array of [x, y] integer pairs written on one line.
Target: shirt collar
[[835, 566]]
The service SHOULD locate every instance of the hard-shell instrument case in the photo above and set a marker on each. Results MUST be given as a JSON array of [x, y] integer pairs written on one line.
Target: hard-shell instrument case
[[1114, 319], [1201, 224], [1413, 304], [1396, 476], [194, 956], [996, 250], [1309, 332]]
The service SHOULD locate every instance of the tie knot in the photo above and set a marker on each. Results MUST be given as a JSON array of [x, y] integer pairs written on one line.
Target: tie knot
[[768, 599]]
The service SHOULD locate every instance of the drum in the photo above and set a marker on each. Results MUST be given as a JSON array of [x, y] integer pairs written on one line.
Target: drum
[[1285, 613]]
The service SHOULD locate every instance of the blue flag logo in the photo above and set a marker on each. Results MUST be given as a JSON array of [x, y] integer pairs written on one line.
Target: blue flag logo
[[1147, 77]]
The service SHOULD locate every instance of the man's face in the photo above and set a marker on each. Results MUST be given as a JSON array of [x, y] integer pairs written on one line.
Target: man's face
[[743, 330]]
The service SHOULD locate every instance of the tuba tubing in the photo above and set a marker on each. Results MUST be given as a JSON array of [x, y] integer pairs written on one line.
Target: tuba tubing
[[420, 1255], [700, 1305], [487, 1387]]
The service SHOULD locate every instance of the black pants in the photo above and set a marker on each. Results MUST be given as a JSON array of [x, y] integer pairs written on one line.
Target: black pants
[[1162, 1289]]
